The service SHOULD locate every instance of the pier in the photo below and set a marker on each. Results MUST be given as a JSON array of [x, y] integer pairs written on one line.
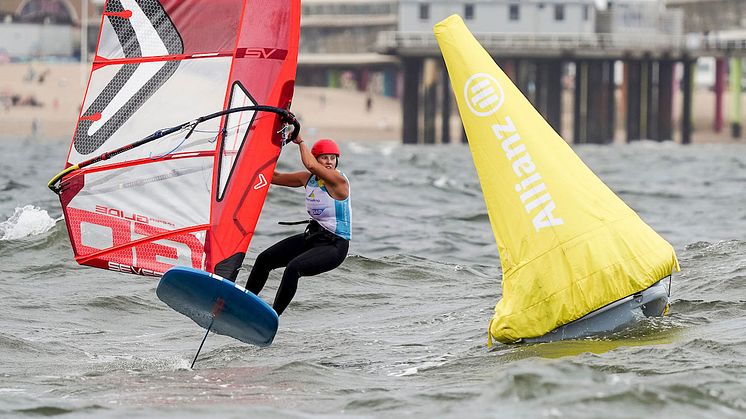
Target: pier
[[635, 74]]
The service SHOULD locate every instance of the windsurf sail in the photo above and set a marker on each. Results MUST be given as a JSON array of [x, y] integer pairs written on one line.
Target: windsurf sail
[[568, 245], [140, 198]]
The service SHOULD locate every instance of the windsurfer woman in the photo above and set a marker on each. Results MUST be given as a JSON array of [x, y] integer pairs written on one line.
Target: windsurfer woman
[[324, 244]]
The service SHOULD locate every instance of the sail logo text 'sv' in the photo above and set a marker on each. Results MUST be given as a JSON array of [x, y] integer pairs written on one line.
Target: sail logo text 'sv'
[[483, 94], [533, 192]]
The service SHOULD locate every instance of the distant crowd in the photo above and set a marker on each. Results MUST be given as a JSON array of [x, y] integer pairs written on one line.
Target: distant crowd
[[10, 98]]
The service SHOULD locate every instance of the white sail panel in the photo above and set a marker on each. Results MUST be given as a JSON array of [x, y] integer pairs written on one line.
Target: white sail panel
[[133, 29], [236, 127], [122, 115], [109, 46], [155, 191]]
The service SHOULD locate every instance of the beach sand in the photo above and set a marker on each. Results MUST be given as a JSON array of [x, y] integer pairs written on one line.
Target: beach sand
[[341, 114], [323, 112]]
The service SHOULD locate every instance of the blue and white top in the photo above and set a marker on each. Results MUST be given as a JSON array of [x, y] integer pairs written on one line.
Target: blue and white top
[[332, 214]]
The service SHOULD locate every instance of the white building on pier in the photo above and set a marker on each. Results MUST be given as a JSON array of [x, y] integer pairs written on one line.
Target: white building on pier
[[504, 16]]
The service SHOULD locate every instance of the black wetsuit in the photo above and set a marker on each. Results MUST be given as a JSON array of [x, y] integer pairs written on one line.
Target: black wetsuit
[[313, 252]]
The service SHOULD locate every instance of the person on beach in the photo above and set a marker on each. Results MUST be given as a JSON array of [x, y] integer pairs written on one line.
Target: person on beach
[[324, 244]]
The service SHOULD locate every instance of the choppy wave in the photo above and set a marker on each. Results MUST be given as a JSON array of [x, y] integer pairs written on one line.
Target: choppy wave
[[11, 343], [11, 185], [123, 304], [26, 221], [51, 247]]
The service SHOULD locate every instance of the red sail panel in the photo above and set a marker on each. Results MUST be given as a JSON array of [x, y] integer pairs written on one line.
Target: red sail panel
[[264, 67]]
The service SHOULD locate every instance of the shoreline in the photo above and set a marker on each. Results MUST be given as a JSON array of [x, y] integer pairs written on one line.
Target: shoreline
[[342, 114], [52, 94]]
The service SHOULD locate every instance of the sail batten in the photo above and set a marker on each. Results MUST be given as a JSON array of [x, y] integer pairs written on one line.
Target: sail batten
[[568, 245]]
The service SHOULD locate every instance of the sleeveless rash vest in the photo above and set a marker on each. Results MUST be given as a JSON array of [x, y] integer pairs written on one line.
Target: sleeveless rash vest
[[333, 215]]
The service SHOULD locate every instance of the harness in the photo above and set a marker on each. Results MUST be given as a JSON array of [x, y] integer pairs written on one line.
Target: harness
[[314, 231]]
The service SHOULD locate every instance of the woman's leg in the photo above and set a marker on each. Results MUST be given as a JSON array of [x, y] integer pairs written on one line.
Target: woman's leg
[[276, 256], [312, 262]]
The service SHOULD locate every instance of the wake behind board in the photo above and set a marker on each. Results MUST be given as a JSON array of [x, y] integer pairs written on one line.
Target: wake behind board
[[219, 305]]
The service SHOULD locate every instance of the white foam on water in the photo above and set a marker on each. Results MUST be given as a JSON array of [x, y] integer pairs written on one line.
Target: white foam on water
[[26, 221], [12, 390]]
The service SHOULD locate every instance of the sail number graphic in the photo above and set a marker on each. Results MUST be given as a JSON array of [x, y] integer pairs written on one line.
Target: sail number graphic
[[483, 94], [148, 258]]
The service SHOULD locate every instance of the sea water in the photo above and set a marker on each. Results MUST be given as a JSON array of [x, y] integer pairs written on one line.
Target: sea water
[[400, 328]]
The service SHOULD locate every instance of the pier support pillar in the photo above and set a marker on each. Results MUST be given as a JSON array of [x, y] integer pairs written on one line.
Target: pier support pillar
[[632, 76], [430, 100], [735, 94], [687, 86], [665, 100], [412, 69], [650, 88], [594, 108], [521, 77], [611, 99], [540, 83], [445, 108], [509, 67], [549, 92], [578, 130], [719, 89], [596, 103], [602, 103]]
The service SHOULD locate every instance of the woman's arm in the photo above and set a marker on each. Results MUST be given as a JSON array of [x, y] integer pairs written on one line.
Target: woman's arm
[[293, 180], [336, 184]]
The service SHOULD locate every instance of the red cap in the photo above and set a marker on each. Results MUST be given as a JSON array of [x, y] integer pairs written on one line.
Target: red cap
[[325, 146]]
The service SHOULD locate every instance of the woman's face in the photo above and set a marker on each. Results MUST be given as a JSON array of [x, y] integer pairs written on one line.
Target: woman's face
[[327, 160]]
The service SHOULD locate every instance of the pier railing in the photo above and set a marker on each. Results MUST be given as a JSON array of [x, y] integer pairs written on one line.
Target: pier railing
[[584, 45]]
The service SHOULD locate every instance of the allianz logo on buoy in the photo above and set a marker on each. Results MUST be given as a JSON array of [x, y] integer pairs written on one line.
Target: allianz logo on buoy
[[483, 94]]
